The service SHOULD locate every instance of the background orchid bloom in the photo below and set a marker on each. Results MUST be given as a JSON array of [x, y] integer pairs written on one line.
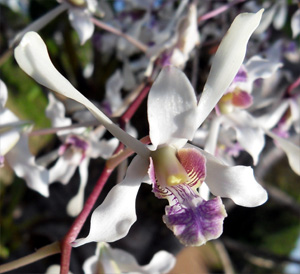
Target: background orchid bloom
[[14, 149], [174, 116], [113, 260]]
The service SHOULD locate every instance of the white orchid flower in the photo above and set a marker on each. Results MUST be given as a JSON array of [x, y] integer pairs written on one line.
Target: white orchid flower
[[79, 145], [14, 148], [80, 12], [179, 169], [113, 260]]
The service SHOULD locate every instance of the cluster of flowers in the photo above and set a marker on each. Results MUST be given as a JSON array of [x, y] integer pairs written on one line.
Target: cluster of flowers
[[195, 137]]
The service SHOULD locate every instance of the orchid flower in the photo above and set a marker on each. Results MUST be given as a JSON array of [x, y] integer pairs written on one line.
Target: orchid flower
[[15, 151], [113, 260], [79, 146], [176, 49], [80, 17], [175, 169], [238, 97]]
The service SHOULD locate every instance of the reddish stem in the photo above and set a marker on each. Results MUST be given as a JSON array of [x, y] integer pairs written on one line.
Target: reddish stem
[[80, 220], [293, 86], [74, 230], [127, 115], [217, 11]]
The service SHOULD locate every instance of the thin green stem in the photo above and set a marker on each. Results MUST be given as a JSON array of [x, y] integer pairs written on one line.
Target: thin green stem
[[41, 253]]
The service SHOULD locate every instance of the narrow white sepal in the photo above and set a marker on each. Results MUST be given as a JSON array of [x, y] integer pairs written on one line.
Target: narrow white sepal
[[227, 61], [32, 56]]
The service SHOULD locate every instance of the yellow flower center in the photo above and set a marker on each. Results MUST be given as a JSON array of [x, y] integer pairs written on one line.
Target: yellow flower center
[[168, 169]]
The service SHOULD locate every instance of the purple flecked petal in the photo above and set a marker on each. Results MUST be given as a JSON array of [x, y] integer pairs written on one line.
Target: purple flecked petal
[[193, 220], [194, 164]]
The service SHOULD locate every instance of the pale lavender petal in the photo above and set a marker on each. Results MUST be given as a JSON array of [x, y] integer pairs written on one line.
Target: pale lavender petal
[[112, 220], [258, 67], [81, 21], [295, 23], [227, 61], [172, 108], [281, 15], [23, 163]]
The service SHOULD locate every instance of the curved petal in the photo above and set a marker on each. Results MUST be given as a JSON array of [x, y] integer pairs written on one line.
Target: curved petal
[[23, 164], [227, 61], [162, 262], [65, 167], [249, 136], [75, 205], [258, 67], [32, 56], [3, 94], [292, 151], [81, 22], [280, 16], [295, 23], [112, 220], [234, 182], [172, 107]]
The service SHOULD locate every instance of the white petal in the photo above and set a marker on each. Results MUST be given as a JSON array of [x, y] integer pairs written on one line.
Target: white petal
[[75, 205], [103, 148], [249, 136], [212, 138], [55, 111], [292, 151], [234, 182], [252, 140], [32, 56], [280, 16], [23, 164], [257, 67], [81, 21], [172, 108], [162, 262], [113, 90], [270, 119], [3, 94], [227, 61], [8, 140], [266, 20], [112, 220], [63, 169], [295, 23]]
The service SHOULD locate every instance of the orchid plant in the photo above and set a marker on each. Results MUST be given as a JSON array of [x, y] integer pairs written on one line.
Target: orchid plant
[[214, 98], [175, 169]]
